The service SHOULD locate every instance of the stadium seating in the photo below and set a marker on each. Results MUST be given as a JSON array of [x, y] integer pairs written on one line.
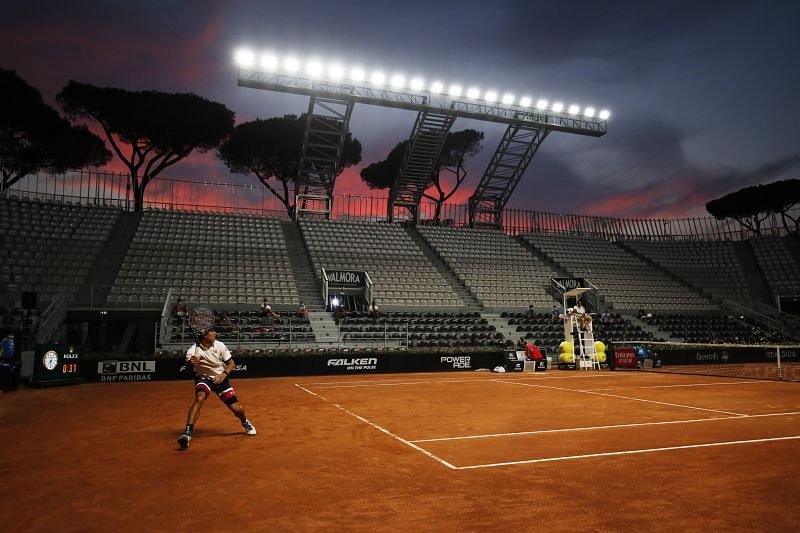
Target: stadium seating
[[220, 259], [713, 328], [779, 261], [624, 280], [401, 274], [709, 265], [499, 271], [50, 247]]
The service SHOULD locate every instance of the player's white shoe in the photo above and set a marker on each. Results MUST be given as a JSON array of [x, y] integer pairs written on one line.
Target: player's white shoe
[[249, 428]]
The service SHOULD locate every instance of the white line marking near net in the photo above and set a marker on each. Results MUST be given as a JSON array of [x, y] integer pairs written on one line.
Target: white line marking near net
[[624, 397], [612, 426], [379, 428], [628, 452]]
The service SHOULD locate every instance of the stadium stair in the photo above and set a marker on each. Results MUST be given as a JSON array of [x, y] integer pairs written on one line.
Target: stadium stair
[[308, 288], [470, 302], [754, 277], [105, 269]]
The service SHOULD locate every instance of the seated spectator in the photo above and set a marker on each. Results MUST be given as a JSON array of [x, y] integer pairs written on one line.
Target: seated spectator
[[373, 310], [302, 311], [642, 313], [179, 312], [521, 343], [340, 315], [224, 323], [555, 313], [268, 316], [530, 313], [606, 317]]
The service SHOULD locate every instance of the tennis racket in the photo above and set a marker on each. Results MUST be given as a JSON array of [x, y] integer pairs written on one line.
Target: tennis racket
[[201, 319]]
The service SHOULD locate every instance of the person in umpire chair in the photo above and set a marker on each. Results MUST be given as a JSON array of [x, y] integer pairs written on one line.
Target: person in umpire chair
[[212, 363]]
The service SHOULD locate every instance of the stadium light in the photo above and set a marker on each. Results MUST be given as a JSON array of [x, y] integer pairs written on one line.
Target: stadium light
[[357, 74], [377, 78], [312, 68], [269, 61], [291, 64], [398, 81], [244, 57], [336, 71]]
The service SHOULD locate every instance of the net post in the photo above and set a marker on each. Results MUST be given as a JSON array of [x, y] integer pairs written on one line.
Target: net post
[[778, 358]]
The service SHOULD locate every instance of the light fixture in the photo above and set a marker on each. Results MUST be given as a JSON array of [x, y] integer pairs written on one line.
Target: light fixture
[[437, 87], [454, 91], [525, 101], [269, 61], [377, 78], [357, 74], [508, 99], [541, 104], [314, 68], [244, 57], [336, 71], [588, 112], [604, 114], [417, 84], [558, 107], [291, 64], [490, 96], [574, 109], [473, 93], [398, 81]]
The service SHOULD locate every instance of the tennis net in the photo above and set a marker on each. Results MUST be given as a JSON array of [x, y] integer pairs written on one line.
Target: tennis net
[[768, 362]]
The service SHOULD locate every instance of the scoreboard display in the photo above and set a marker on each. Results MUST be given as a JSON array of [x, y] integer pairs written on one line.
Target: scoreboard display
[[57, 364]]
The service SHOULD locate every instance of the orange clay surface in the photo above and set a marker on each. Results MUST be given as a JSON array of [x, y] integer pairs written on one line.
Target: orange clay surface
[[470, 451]]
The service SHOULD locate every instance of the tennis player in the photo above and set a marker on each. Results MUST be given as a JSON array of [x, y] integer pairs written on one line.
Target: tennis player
[[213, 363]]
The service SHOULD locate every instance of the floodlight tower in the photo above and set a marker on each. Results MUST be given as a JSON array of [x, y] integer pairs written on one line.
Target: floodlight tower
[[334, 90]]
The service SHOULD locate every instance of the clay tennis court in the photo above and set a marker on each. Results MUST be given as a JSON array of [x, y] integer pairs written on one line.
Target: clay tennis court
[[443, 451]]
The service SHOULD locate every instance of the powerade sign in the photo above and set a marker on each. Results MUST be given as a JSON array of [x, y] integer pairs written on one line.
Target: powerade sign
[[346, 279], [459, 362]]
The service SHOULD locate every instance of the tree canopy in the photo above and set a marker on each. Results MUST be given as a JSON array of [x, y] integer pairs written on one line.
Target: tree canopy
[[271, 149], [751, 205], [33, 136], [149, 130], [457, 148]]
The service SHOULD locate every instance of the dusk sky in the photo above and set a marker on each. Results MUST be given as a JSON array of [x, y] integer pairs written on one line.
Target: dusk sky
[[704, 95]]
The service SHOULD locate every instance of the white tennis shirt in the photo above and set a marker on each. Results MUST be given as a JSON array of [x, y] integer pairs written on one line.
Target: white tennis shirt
[[212, 360]]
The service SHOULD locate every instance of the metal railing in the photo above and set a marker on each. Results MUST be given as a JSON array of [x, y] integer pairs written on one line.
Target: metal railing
[[247, 196]]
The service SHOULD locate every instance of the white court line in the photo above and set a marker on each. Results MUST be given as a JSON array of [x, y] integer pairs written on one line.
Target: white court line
[[628, 452], [624, 398], [748, 382], [612, 426], [379, 428]]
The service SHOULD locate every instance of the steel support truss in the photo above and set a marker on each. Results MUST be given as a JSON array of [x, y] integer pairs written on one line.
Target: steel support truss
[[424, 147], [323, 143], [508, 164]]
